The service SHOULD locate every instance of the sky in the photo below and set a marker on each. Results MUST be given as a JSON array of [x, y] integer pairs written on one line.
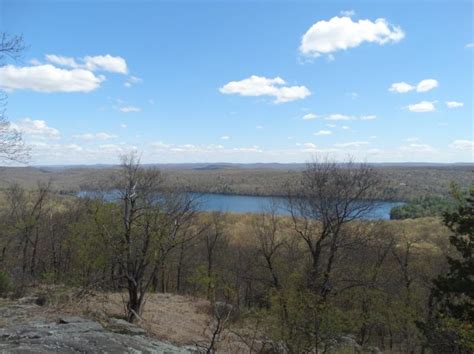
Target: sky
[[241, 81]]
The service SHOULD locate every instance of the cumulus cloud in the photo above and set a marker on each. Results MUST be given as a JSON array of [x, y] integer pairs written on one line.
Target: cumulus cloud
[[261, 86], [94, 136], [426, 85], [463, 145], [129, 109], [422, 86], [225, 137], [323, 132], [369, 117], [454, 104], [48, 78], [401, 87], [36, 128], [93, 63], [421, 107], [310, 116], [341, 33]]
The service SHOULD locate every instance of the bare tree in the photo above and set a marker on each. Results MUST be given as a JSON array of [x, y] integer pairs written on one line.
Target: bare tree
[[329, 196], [214, 237], [266, 227], [12, 147], [27, 211], [150, 221]]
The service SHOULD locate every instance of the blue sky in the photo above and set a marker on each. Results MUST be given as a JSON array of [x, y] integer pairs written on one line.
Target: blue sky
[[241, 81]]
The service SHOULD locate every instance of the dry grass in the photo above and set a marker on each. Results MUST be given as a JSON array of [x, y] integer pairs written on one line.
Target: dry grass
[[174, 318]]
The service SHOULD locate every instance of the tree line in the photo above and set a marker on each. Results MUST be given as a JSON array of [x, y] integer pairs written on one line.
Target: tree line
[[310, 280]]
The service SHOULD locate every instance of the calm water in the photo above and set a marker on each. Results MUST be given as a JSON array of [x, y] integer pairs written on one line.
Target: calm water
[[254, 204]]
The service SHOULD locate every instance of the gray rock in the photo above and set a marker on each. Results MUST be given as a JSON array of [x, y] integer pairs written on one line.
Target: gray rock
[[70, 334]]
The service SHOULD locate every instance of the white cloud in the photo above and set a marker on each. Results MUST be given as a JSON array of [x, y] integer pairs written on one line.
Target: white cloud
[[348, 13], [454, 104], [308, 147], [422, 86], [310, 116], [61, 60], [159, 145], [369, 117], [259, 127], [94, 136], [464, 145], [421, 107], [416, 147], [132, 80], [341, 33], [129, 109], [469, 45], [262, 86], [323, 132], [106, 63], [99, 62], [123, 126], [74, 147], [48, 78], [37, 128], [225, 137], [352, 144], [426, 85], [254, 148], [346, 127], [401, 87], [338, 116]]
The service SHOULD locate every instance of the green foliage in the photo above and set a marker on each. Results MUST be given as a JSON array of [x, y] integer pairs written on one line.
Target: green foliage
[[451, 323], [423, 207]]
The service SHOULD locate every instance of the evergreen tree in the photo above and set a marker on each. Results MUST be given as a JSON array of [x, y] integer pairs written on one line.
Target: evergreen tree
[[450, 326]]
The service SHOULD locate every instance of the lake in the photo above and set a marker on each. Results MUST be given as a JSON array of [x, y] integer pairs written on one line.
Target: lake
[[256, 204]]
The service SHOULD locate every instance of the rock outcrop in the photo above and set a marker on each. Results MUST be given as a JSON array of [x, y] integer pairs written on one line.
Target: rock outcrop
[[22, 333]]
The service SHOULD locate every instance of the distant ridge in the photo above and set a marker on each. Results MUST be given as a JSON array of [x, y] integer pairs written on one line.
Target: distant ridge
[[258, 166]]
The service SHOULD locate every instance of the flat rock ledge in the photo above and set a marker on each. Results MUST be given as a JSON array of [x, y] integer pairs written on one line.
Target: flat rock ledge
[[70, 334]]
